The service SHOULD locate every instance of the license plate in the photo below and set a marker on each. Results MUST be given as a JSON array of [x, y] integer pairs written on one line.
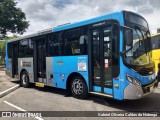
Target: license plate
[[151, 89], [39, 84]]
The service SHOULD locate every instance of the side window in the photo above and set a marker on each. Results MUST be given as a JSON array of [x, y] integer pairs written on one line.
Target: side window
[[107, 42], [71, 42], [75, 42], [155, 42], [54, 44], [30, 47], [23, 45], [96, 43], [9, 50], [26, 48], [96, 48], [50, 45], [83, 41]]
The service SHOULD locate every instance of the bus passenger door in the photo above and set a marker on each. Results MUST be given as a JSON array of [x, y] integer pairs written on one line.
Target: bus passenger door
[[40, 61], [102, 60], [15, 60]]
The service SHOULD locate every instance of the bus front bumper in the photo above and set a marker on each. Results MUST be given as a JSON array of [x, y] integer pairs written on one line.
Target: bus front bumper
[[132, 91]]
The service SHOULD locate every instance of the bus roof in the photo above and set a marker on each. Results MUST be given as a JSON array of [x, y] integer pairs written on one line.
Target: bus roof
[[116, 15], [32, 35]]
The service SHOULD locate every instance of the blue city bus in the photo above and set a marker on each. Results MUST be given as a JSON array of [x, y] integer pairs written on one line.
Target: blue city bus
[[97, 56]]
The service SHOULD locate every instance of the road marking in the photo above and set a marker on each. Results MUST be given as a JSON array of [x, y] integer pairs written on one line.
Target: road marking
[[20, 109], [15, 106], [9, 90]]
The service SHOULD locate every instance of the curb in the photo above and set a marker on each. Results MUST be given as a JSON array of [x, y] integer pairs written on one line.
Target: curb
[[9, 90]]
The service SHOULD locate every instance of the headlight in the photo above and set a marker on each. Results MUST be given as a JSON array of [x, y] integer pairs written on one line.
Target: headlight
[[133, 80]]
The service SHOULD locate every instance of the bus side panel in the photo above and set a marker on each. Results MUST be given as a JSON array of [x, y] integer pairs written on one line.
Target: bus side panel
[[67, 65], [57, 73], [26, 64], [9, 71], [118, 91], [78, 64], [49, 71]]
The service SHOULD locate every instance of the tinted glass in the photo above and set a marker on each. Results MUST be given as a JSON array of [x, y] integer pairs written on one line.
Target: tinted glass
[[75, 42], [107, 42], [155, 42], [137, 52], [30, 47], [9, 50], [132, 18], [107, 47], [26, 48], [96, 57], [54, 44]]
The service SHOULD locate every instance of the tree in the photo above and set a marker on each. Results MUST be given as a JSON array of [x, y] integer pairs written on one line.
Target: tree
[[2, 52], [12, 19]]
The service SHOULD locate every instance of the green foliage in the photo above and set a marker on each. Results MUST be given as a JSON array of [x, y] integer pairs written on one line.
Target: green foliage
[[2, 52], [12, 19], [3, 48]]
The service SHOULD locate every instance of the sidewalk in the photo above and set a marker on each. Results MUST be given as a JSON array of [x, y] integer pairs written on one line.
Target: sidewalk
[[7, 84]]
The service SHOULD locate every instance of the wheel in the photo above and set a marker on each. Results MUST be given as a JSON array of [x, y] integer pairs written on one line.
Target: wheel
[[25, 79], [79, 88]]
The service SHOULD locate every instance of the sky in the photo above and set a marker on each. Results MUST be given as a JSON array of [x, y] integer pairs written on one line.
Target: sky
[[44, 14]]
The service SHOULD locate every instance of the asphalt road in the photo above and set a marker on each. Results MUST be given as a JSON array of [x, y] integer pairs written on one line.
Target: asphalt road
[[50, 99]]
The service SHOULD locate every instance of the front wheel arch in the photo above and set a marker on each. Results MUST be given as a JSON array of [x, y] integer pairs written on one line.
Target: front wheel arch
[[27, 82], [69, 80]]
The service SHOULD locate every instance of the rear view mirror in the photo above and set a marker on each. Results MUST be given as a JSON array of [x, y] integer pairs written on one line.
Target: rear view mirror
[[128, 37]]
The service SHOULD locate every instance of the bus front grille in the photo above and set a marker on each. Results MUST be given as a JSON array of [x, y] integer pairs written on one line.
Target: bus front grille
[[147, 71]]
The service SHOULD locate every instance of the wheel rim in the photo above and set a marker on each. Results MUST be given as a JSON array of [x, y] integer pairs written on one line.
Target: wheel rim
[[77, 86], [24, 79]]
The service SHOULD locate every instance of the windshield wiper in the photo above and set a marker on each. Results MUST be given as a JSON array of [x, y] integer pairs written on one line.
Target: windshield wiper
[[124, 52]]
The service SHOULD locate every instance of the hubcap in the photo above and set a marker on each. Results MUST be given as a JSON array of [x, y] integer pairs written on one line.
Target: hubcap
[[77, 86], [24, 79]]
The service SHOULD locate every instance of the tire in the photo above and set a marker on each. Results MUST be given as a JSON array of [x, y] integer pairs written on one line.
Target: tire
[[25, 79], [79, 88]]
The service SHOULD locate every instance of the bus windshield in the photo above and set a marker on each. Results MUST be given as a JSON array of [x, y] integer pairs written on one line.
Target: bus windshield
[[138, 53]]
